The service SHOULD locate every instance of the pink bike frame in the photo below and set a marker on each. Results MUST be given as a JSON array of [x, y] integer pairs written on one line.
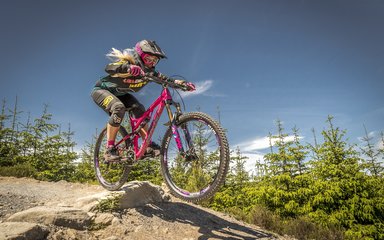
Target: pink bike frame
[[159, 103]]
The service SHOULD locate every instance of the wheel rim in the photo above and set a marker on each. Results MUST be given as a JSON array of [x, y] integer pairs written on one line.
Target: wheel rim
[[194, 176]]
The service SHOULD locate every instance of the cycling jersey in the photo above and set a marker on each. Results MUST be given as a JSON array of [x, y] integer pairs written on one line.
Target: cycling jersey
[[119, 81]]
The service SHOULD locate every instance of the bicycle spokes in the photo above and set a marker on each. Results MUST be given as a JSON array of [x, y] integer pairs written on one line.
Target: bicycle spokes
[[192, 163], [111, 174]]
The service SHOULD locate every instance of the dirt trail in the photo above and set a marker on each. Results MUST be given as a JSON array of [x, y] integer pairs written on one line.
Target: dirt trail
[[17, 194], [167, 220]]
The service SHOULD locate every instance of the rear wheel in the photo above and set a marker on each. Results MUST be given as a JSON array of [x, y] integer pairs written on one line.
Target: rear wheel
[[195, 157], [112, 175]]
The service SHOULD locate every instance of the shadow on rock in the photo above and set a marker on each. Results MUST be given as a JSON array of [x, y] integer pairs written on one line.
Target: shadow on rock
[[210, 225]]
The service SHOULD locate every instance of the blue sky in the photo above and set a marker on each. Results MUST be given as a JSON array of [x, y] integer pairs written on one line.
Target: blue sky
[[257, 61]]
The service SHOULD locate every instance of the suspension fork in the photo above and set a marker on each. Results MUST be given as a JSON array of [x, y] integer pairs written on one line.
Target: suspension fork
[[173, 120], [173, 124]]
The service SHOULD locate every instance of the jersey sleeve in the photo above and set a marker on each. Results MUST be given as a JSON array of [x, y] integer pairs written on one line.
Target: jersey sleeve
[[117, 68]]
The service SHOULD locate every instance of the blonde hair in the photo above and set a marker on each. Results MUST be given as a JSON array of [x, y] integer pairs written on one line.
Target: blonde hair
[[118, 56]]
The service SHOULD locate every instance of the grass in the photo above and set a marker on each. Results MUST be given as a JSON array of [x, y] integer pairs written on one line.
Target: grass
[[110, 204]]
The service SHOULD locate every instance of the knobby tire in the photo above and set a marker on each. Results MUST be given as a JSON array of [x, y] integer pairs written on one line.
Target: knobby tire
[[100, 165], [173, 176]]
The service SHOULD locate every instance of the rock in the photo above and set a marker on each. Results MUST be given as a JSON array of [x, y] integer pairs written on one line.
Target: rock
[[22, 231], [136, 194], [104, 219], [69, 234], [116, 222], [112, 238], [59, 216], [89, 203]]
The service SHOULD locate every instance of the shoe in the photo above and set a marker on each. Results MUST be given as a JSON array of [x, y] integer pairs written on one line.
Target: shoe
[[111, 154], [153, 149]]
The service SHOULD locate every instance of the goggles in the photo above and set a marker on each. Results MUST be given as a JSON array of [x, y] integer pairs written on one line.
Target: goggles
[[150, 60]]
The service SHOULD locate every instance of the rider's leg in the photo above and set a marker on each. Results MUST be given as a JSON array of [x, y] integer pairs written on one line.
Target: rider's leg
[[138, 111], [144, 132], [129, 100], [116, 109], [111, 134], [113, 126]]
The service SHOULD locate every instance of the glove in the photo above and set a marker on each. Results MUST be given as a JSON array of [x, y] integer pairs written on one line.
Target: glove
[[190, 86], [135, 71]]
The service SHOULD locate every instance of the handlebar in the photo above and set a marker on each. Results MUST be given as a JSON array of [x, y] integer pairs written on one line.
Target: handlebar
[[168, 82]]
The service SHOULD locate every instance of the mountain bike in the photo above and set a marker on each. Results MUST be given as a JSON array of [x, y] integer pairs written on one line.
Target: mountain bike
[[194, 154]]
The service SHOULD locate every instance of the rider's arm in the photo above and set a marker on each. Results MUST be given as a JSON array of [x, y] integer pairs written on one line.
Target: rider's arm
[[117, 67]]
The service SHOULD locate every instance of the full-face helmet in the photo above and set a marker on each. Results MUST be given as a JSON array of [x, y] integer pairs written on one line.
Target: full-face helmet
[[149, 52]]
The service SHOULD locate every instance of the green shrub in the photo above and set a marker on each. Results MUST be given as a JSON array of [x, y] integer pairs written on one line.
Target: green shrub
[[110, 204], [21, 170]]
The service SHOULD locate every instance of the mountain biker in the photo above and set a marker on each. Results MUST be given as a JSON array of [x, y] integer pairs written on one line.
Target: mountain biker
[[112, 93]]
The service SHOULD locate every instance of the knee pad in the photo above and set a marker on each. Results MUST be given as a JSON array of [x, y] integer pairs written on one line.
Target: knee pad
[[117, 114]]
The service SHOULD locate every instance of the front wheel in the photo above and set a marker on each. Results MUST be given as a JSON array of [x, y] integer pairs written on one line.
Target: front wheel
[[111, 175], [195, 157]]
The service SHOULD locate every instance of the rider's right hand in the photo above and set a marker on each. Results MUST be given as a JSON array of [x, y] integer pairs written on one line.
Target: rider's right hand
[[135, 71], [190, 86]]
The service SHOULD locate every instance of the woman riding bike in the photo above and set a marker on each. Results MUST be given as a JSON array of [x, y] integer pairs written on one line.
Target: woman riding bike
[[112, 93]]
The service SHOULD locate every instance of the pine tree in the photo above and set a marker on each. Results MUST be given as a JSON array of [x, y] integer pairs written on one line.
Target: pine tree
[[5, 132], [51, 155], [238, 175], [260, 170], [3, 118], [373, 164], [343, 195], [298, 153], [286, 186], [85, 169], [9, 136], [25, 146], [15, 115]]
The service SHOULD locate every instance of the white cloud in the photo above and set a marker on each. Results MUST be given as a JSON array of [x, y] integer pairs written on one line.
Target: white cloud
[[252, 150], [250, 162], [374, 139], [254, 145], [371, 135], [262, 143], [201, 88]]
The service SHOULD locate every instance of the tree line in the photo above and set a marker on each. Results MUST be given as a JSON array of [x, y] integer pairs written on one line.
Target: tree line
[[41, 149], [327, 190]]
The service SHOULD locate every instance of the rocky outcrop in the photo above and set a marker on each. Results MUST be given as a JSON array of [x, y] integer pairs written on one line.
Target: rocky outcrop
[[34, 223], [134, 194], [58, 216], [140, 211], [22, 231]]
